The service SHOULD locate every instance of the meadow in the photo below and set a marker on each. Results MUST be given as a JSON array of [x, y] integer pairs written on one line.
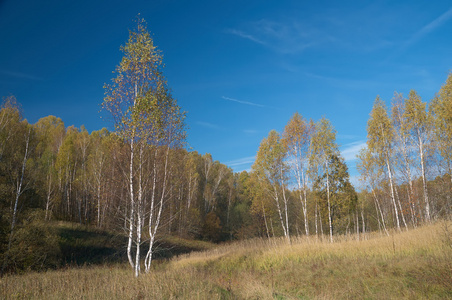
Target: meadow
[[414, 264]]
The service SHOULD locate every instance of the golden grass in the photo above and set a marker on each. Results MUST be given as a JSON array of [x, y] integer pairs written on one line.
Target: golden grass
[[409, 265]]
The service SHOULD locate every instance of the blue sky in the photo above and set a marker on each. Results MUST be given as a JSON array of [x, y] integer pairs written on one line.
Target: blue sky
[[239, 68]]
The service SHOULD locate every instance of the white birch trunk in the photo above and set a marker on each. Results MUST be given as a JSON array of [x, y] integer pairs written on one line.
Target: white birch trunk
[[392, 195], [265, 220], [400, 206], [424, 180], [357, 225], [132, 206], [301, 182], [329, 203], [147, 261], [377, 204], [285, 207], [49, 195], [305, 206], [153, 227], [316, 220], [19, 190], [278, 207], [364, 223], [139, 210]]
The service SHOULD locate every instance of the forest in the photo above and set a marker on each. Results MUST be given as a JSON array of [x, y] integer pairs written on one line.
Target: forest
[[140, 181]]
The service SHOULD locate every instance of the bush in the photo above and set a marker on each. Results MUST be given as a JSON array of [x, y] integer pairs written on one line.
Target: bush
[[35, 245], [212, 227]]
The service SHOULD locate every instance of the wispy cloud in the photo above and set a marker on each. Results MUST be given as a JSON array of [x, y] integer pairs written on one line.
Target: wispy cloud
[[350, 150], [345, 82], [358, 185], [243, 102], [431, 26], [20, 75], [347, 136], [284, 36], [245, 36], [250, 131], [241, 161], [427, 29], [207, 124]]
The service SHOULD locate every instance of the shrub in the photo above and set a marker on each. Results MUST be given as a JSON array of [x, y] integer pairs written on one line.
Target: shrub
[[35, 245]]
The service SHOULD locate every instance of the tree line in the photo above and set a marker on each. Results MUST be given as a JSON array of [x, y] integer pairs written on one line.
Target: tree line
[[302, 182], [49, 172], [406, 164]]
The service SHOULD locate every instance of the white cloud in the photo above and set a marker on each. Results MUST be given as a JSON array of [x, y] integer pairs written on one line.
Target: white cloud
[[283, 37], [20, 75], [208, 125], [357, 184], [438, 22], [241, 161], [350, 150], [242, 102], [347, 136], [250, 131], [245, 36], [431, 26]]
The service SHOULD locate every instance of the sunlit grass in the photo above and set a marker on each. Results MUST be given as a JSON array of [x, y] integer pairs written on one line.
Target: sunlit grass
[[409, 265]]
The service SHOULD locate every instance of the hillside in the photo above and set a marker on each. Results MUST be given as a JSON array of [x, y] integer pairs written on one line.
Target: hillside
[[415, 264]]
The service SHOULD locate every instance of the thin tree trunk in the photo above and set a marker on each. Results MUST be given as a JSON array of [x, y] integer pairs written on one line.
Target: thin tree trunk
[[153, 227], [151, 214], [19, 191], [139, 210], [132, 206], [424, 180], [285, 207], [49, 193], [301, 181], [392, 195], [265, 220], [276, 198], [305, 210], [329, 204], [377, 203], [364, 224], [321, 224], [357, 225], [400, 207], [316, 219]]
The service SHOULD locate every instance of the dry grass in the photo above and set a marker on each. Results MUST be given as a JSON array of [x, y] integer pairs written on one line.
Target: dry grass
[[410, 265]]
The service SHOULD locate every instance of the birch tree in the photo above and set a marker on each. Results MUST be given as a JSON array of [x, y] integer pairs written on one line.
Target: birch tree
[[168, 132], [418, 126], [441, 111], [380, 140], [323, 148], [297, 138], [370, 175], [403, 149], [272, 172], [50, 131], [144, 114], [17, 169]]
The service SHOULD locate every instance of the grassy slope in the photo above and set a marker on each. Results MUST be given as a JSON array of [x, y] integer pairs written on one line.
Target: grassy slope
[[414, 264]]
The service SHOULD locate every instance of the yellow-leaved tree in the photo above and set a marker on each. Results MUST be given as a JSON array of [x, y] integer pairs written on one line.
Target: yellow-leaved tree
[[150, 122]]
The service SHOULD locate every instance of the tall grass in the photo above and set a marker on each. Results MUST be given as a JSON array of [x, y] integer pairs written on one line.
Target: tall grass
[[410, 265]]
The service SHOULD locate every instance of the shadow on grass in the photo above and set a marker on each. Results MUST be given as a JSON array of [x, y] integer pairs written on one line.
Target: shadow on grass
[[85, 247], [81, 246]]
